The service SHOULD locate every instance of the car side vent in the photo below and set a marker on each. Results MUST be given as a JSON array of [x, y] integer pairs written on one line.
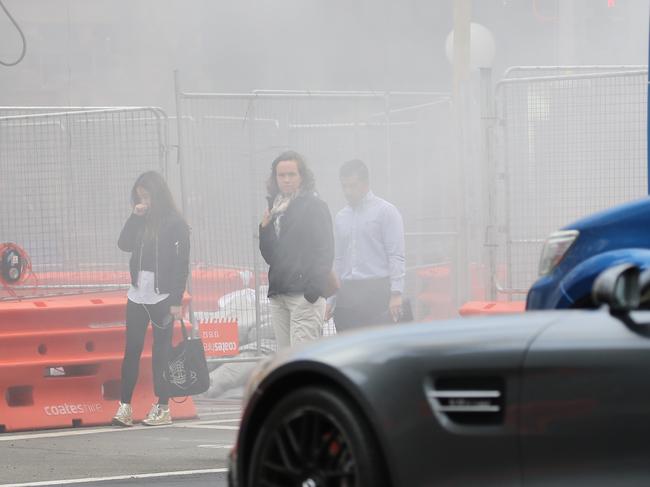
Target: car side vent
[[470, 401]]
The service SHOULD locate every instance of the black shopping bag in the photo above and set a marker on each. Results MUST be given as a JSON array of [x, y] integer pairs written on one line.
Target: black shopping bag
[[186, 370]]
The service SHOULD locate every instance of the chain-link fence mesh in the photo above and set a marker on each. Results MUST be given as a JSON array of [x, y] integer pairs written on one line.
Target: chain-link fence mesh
[[65, 190], [569, 145]]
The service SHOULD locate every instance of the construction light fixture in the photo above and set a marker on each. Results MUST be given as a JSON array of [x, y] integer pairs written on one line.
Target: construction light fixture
[[11, 264]]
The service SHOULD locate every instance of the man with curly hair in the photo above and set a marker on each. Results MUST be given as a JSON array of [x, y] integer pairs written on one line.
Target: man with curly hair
[[297, 241]]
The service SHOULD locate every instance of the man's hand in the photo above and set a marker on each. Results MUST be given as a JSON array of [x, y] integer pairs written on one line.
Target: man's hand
[[328, 312], [266, 219], [176, 312], [395, 306]]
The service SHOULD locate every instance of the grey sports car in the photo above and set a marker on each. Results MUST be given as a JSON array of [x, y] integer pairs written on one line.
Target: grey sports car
[[548, 398]]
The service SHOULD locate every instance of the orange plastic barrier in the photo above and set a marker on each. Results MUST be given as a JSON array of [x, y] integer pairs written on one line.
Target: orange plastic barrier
[[60, 361], [436, 292], [438, 287], [473, 308], [83, 277], [220, 338], [209, 284]]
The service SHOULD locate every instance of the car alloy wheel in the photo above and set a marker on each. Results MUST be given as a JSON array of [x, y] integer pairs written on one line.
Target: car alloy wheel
[[314, 438]]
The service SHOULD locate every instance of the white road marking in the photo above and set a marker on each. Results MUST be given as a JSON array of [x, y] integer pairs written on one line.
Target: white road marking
[[117, 477], [215, 421], [115, 429], [222, 412], [214, 424], [225, 447], [209, 427], [56, 434]]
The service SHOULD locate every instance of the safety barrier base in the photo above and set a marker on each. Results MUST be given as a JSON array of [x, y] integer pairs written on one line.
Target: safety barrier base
[[474, 308]]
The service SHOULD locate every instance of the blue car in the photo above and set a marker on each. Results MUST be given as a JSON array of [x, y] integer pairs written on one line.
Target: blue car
[[573, 256]]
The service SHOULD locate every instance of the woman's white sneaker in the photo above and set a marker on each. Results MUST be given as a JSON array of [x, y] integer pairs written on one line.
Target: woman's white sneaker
[[158, 416], [124, 416]]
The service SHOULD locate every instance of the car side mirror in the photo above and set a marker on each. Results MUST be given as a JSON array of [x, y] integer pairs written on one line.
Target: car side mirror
[[619, 288], [644, 289]]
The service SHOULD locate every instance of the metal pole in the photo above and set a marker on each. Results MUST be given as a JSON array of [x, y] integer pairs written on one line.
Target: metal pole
[[389, 162], [179, 161], [507, 172], [487, 122], [462, 17], [163, 137], [254, 222], [462, 20]]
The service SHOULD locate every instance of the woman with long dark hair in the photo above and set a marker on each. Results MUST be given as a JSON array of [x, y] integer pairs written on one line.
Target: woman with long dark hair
[[158, 239]]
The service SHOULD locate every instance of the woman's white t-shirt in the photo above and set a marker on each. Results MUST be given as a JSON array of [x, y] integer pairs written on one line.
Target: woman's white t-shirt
[[145, 293]]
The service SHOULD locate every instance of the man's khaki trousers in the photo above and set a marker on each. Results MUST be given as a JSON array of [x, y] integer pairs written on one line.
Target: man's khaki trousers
[[295, 319]]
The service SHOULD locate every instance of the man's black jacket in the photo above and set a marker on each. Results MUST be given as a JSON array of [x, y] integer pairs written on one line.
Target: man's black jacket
[[301, 258], [172, 262]]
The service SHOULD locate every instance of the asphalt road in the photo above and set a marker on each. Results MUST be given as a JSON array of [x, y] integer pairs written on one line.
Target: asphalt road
[[188, 453]]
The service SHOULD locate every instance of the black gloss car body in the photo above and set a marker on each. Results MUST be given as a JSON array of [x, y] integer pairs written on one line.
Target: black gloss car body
[[548, 398]]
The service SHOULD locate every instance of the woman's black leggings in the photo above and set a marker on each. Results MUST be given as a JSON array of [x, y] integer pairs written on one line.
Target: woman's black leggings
[[138, 317]]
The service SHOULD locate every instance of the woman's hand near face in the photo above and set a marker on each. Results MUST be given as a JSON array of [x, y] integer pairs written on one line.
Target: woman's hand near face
[[144, 201], [140, 209]]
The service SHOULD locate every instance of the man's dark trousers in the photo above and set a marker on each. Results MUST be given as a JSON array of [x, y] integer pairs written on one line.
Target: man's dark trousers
[[362, 302]]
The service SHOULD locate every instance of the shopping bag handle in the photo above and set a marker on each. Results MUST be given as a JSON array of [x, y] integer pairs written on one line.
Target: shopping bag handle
[[183, 329]]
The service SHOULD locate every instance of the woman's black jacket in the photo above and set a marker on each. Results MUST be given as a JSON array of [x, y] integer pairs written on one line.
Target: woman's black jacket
[[301, 258], [172, 262]]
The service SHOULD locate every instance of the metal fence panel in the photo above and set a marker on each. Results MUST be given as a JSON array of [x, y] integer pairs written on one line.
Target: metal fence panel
[[515, 72], [65, 190], [570, 145], [228, 142]]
